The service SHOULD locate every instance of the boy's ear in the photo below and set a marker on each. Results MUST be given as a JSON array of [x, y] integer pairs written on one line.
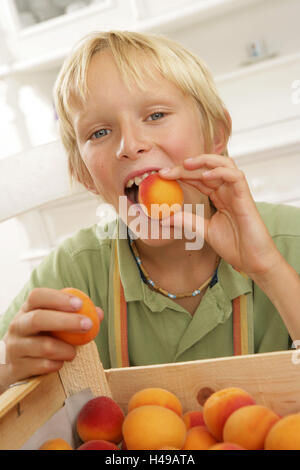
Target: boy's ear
[[222, 135]]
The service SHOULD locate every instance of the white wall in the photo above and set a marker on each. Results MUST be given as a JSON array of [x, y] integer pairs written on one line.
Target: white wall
[[266, 123]]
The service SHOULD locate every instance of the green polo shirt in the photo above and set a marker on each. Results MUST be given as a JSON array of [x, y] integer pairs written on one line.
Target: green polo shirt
[[159, 330]]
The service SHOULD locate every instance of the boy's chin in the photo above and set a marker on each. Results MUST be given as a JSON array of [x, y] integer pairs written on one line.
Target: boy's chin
[[161, 239]]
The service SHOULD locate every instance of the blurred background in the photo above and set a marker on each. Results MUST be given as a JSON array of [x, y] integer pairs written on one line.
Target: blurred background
[[252, 48]]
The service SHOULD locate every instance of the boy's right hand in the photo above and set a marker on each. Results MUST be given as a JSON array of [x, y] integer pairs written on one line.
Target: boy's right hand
[[30, 348]]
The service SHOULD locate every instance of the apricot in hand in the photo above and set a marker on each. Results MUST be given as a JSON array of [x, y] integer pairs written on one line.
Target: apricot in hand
[[165, 193], [87, 309]]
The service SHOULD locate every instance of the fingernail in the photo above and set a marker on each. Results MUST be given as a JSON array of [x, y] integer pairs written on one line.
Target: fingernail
[[189, 160], [164, 171], [86, 324], [75, 302]]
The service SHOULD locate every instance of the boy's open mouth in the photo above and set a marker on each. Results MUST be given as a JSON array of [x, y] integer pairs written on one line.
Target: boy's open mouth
[[132, 186], [132, 193]]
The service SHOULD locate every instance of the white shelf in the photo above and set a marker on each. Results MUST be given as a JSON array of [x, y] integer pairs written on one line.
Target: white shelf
[[49, 36]]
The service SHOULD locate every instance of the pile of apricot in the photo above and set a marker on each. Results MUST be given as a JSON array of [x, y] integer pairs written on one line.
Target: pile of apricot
[[230, 419]]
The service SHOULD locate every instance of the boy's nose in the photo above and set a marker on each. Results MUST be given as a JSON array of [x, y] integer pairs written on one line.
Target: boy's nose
[[132, 144]]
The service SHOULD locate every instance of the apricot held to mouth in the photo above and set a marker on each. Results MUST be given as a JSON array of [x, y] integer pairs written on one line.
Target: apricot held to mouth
[[159, 197]]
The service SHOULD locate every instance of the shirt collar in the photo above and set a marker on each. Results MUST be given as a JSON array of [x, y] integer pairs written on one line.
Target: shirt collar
[[232, 282]]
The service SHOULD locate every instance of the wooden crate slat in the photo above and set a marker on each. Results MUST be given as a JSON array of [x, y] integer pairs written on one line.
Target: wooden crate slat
[[273, 379], [31, 412]]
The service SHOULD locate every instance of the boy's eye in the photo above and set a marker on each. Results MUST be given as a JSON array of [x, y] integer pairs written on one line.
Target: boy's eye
[[100, 133], [156, 116]]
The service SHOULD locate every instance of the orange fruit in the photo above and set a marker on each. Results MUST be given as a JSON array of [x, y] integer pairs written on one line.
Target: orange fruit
[[89, 310], [56, 444], [165, 193]]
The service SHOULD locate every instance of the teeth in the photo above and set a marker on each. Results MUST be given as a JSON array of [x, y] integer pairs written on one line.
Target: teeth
[[138, 179]]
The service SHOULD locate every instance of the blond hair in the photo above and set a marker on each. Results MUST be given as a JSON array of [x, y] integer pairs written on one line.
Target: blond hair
[[131, 50]]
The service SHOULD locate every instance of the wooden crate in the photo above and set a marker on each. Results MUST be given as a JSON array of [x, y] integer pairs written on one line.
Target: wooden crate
[[273, 379]]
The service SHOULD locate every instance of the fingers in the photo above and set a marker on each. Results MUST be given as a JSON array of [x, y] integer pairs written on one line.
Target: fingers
[[208, 161], [37, 321], [208, 172], [28, 367], [195, 168], [42, 346], [51, 299]]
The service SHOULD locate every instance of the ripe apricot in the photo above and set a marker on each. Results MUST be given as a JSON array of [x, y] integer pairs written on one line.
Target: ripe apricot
[[155, 396], [98, 445], [285, 434], [89, 310], [169, 448], [248, 426], [226, 446], [193, 418], [151, 427], [219, 406], [56, 444], [101, 418], [156, 190], [198, 438]]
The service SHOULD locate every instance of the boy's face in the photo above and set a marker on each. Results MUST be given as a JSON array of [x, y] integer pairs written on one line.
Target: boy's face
[[124, 132]]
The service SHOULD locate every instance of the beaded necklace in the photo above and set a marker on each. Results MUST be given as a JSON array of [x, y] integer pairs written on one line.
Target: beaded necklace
[[160, 289]]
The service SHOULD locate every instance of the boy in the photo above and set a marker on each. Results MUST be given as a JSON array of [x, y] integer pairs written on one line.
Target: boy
[[131, 104]]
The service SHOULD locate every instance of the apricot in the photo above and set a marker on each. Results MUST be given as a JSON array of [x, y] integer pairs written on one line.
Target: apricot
[[89, 310], [193, 418], [285, 434], [101, 418], [169, 448], [226, 446], [155, 396], [220, 405], [248, 426], [99, 444], [150, 427], [198, 438], [56, 444], [156, 190]]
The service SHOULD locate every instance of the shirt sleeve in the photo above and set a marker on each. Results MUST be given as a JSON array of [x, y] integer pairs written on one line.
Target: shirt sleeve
[[53, 272]]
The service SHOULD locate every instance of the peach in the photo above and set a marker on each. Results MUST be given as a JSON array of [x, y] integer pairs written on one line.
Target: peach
[[155, 396], [56, 444], [248, 426], [226, 446], [156, 190], [99, 444], [219, 406], [193, 418], [101, 418], [198, 438], [285, 434], [150, 427], [87, 309]]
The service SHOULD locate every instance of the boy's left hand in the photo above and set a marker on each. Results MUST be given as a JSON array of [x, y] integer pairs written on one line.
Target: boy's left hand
[[236, 231]]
